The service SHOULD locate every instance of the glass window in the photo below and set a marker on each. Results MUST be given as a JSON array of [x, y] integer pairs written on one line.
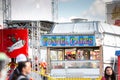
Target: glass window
[[60, 55], [83, 54], [75, 58], [58, 65], [70, 54], [95, 55], [70, 64], [88, 54], [56, 55], [88, 64], [53, 55]]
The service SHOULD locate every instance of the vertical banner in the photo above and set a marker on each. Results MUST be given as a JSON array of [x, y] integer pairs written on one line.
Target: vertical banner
[[14, 42], [117, 53], [118, 68]]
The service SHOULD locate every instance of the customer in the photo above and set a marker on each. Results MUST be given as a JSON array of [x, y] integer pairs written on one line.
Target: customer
[[109, 74], [23, 68], [3, 59]]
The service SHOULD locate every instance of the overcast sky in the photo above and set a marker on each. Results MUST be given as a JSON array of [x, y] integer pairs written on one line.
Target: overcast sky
[[31, 10], [88, 9], [67, 9]]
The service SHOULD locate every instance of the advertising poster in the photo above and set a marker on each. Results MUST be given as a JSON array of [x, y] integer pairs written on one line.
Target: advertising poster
[[14, 42], [113, 13]]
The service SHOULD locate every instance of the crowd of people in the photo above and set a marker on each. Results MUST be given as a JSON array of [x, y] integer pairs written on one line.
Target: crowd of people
[[21, 71], [24, 68]]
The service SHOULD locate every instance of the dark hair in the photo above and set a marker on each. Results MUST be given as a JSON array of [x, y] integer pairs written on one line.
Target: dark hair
[[18, 70], [113, 76], [22, 64]]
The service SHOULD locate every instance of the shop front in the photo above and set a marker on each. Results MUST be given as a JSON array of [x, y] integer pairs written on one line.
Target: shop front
[[81, 49], [73, 55]]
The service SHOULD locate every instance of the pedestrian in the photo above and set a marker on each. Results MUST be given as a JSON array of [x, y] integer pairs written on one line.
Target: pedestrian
[[109, 74], [3, 72], [23, 68]]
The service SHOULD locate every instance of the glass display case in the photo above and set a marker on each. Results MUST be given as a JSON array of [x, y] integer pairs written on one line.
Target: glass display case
[[75, 58]]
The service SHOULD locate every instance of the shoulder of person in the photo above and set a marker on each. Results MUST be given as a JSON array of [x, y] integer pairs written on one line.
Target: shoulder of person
[[103, 78], [21, 77], [13, 74]]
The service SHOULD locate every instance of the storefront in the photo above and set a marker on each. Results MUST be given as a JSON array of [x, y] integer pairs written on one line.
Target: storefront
[[72, 55], [78, 50]]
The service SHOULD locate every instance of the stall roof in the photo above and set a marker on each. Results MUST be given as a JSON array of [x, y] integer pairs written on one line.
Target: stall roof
[[109, 28], [85, 28]]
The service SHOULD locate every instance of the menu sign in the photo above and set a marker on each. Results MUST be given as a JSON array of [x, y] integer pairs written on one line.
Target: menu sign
[[63, 40]]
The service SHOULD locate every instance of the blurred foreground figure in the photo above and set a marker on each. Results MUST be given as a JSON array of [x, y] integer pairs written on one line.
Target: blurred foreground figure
[[3, 59], [23, 68]]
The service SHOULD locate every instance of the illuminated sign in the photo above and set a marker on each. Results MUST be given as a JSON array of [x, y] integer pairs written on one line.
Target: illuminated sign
[[60, 41]]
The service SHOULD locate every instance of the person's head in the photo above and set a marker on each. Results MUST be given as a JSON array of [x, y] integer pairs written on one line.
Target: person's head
[[24, 67], [109, 72]]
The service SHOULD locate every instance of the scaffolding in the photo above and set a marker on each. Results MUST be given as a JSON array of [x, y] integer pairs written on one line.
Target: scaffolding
[[54, 10], [36, 28], [6, 9]]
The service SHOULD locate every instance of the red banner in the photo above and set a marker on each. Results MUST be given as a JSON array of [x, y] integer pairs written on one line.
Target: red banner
[[118, 68], [14, 42]]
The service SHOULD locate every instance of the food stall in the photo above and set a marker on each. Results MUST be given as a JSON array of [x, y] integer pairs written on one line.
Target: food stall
[[80, 49]]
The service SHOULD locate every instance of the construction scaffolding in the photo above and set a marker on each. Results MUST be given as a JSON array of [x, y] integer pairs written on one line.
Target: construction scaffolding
[[6, 10], [54, 10], [36, 28]]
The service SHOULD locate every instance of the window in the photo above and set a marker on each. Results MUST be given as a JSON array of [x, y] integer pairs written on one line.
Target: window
[[70, 54], [75, 58]]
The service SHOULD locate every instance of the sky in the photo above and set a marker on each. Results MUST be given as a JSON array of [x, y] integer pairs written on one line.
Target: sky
[[31, 10], [93, 10], [86, 9]]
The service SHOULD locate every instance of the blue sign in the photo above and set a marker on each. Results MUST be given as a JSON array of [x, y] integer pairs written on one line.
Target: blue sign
[[117, 53], [67, 41]]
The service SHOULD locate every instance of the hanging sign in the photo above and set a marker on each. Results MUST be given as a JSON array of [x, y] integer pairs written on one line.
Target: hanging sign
[[60, 41], [117, 53], [14, 42]]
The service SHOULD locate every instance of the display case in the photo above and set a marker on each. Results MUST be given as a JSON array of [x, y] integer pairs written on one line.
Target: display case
[[75, 61]]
